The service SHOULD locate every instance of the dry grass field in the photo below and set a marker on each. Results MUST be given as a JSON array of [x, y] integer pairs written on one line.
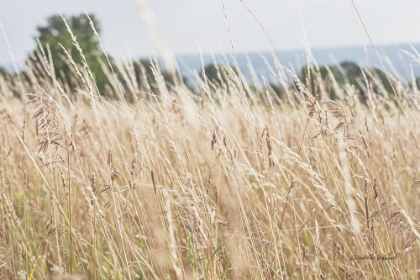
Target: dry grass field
[[229, 182]]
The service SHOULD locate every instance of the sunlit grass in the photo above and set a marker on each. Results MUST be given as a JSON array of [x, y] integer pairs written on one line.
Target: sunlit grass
[[229, 182]]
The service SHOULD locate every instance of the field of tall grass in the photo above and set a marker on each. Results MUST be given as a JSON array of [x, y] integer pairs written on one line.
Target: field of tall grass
[[227, 182]]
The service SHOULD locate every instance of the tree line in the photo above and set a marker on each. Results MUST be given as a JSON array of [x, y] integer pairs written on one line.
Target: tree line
[[55, 44]]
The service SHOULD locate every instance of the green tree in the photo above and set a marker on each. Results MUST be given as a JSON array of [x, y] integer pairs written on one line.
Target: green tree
[[277, 89], [143, 69], [217, 73], [55, 32], [354, 74], [311, 81], [346, 72], [4, 72]]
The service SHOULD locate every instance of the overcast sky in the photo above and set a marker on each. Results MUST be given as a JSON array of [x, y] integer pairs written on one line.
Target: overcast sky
[[182, 23]]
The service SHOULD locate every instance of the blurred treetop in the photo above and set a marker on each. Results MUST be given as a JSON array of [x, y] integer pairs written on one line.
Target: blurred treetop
[[55, 33]]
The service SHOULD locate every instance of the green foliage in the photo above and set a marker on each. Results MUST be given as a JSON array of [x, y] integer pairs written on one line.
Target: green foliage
[[277, 89], [346, 72], [55, 33], [217, 73], [12, 79], [211, 72], [3, 71], [143, 70], [418, 82]]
